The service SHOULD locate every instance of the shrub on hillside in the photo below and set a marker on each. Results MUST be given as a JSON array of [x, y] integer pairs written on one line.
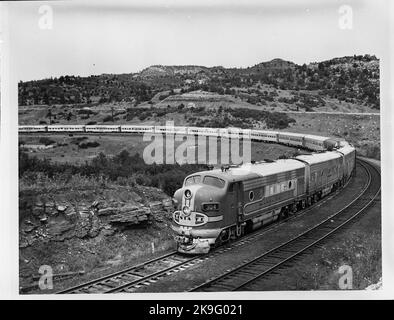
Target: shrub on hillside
[[45, 140], [88, 144], [124, 166], [107, 118]]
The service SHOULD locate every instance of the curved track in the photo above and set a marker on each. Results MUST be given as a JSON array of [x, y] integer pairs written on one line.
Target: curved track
[[135, 277], [246, 275], [132, 278]]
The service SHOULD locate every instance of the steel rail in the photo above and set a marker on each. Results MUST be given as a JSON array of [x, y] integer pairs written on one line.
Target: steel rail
[[113, 282], [271, 260]]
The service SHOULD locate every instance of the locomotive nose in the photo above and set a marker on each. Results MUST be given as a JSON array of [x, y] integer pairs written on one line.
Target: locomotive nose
[[188, 199], [198, 198]]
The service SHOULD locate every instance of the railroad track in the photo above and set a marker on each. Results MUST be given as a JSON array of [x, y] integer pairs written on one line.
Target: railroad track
[[151, 271], [247, 275]]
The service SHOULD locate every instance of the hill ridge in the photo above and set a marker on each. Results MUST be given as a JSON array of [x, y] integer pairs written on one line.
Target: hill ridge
[[353, 79]]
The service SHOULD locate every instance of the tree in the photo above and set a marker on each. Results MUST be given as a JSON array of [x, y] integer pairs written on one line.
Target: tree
[[49, 115]]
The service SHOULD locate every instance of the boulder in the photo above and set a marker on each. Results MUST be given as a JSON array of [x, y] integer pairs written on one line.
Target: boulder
[[39, 204], [95, 204], [156, 206], [29, 228], [43, 218], [107, 211], [37, 211], [95, 228], [23, 243], [134, 217], [70, 213], [129, 207], [61, 209], [107, 230], [59, 228], [84, 213], [135, 196]]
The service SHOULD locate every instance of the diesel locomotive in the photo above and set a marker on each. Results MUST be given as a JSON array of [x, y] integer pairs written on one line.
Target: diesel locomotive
[[215, 206]]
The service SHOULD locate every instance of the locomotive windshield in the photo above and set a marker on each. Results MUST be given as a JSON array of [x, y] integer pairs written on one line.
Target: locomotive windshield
[[192, 180], [213, 181]]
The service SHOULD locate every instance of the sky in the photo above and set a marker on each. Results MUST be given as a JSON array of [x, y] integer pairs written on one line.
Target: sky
[[98, 37]]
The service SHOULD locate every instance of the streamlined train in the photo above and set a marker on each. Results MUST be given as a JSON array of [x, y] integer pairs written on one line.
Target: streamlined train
[[310, 142], [215, 206]]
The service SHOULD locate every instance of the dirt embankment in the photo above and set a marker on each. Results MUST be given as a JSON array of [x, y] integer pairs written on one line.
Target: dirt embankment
[[86, 226]]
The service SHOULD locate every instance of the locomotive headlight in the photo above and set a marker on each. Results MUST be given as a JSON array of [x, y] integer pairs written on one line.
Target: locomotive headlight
[[186, 211], [188, 194]]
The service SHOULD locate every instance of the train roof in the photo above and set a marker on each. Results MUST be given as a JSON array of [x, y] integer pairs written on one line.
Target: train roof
[[291, 134], [66, 126], [250, 171], [266, 131], [319, 157], [31, 126], [103, 126], [134, 125], [318, 138], [345, 147]]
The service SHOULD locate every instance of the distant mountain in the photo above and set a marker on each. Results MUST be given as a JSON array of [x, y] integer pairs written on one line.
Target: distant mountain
[[159, 71], [354, 79], [275, 64]]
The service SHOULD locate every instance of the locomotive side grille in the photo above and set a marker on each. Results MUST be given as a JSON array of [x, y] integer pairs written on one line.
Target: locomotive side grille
[[253, 183]]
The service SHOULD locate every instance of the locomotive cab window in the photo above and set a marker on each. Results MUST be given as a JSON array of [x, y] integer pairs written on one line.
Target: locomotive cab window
[[213, 181], [251, 195], [192, 180]]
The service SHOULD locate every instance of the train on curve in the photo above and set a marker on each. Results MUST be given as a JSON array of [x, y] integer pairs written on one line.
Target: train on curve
[[309, 142], [215, 206]]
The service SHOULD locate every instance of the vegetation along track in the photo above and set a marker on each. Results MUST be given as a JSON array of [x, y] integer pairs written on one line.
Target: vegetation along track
[[151, 271], [245, 276]]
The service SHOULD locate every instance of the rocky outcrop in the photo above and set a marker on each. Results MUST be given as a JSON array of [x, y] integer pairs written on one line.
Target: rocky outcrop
[[132, 216], [83, 215]]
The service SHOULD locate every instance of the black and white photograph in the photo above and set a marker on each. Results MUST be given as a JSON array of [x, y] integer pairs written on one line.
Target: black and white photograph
[[200, 148]]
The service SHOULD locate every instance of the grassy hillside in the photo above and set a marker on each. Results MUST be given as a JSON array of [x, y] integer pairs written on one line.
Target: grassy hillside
[[352, 80]]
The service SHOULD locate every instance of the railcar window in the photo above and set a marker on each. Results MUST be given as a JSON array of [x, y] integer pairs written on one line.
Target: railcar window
[[192, 180], [213, 181]]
